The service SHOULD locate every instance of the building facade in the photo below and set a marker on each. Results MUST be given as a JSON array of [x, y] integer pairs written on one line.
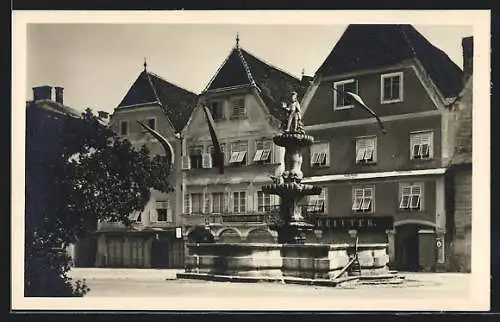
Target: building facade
[[155, 238], [245, 100], [460, 173], [383, 187]]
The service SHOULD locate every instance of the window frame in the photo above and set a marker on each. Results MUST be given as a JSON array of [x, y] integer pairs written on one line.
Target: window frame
[[220, 103], [401, 87], [417, 136], [316, 201], [264, 142], [221, 203], [155, 122], [237, 205], [359, 140], [127, 127], [199, 163], [239, 116], [243, 154], [327, 154], [201, 203], [355, 198], [421, 196], [336, 107]]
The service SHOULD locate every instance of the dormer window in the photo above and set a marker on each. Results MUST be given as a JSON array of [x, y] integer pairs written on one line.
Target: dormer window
[[239, 111], [391, 88], [340, 99], [217, 110]]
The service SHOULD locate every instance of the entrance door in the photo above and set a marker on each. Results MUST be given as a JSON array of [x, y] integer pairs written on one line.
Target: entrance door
[[407, 252], [160, 253]]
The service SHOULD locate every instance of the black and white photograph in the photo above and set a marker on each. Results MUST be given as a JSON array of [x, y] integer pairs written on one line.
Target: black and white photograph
[[273, 160]]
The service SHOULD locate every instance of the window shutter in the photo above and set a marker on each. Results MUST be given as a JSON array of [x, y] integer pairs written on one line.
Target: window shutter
[[186, 162], [360, 154], [153, 214], [187, 204], [368, 192], [206, 160], [258, 155]]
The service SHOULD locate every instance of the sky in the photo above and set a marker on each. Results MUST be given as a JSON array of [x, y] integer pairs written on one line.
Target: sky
[[97, 63]]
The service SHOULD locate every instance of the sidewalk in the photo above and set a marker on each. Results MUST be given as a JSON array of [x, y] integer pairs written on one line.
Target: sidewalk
[[139, 274]]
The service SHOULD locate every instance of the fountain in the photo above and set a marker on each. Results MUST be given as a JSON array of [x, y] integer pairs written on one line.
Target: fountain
[[291, 259]]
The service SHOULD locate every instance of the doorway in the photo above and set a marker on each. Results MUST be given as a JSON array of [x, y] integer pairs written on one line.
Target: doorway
[[414, 248], [160, 253]]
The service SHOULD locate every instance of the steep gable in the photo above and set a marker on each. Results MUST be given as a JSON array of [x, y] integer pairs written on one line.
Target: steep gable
[[274, 85], [176, 102], [364, 47]]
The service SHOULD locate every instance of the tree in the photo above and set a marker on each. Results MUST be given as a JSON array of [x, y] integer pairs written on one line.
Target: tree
[[78, 172]]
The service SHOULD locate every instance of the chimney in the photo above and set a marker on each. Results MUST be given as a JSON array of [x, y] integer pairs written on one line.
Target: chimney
[[59, 94], [103, 115], [42, 93], [468, 54]]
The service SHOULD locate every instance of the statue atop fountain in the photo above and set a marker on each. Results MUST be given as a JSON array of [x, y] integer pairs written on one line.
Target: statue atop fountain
[[288, 184]]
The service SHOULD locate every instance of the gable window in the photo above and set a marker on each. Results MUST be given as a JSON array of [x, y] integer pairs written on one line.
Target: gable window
[[320, 154], [239, 111], [238, 153], [217, 202], [362, 199], [411, 197], [263, 150], [151, 122], [421, 145], [124, 127], [214, 160], [340, 100], [391, 88], [317, 203], [239, 201], [217, 110], [196, 203], [366, 150], [196, 156], [163, 213]]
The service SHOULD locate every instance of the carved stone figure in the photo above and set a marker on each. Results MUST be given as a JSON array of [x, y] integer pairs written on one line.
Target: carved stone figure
[[294, 123]]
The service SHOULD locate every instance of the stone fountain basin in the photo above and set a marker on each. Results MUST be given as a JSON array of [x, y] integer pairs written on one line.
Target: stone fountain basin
[[260, 260], [291, 188], [289, 139]]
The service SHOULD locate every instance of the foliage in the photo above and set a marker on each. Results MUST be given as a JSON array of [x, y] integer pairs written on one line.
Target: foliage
[[78, 172]]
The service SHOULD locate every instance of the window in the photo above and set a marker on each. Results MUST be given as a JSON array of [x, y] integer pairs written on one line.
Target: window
[[340, 100], [239, 108], [391, 89], [115, 252], [320, 154], [317, 203], [366, 150], [217, 111], [411, 197], [421, 145], [239, 201], [211, 151], [217, 202], [187, 204], [123, 127], [263, 150], [362, 200], [135, 216], [238, 153], [195, 156], [196, 203], [151, 122], [263, 201], [163, 213]]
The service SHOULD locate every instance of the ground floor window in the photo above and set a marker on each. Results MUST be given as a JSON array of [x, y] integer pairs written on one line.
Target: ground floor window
[[115, 252], [137, 253]]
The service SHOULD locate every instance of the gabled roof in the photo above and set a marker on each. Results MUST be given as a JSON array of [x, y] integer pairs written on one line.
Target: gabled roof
[[372, 46], [56, 107], [462, 153], [176, 102], [242, 68]]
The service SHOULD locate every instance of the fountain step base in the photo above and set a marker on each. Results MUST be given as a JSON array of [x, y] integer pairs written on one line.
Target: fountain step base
[[356, 280]]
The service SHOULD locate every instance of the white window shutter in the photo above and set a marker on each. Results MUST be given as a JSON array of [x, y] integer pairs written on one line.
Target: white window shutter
[[206, 160], [186, 162], [153, 215], [258, 155]]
